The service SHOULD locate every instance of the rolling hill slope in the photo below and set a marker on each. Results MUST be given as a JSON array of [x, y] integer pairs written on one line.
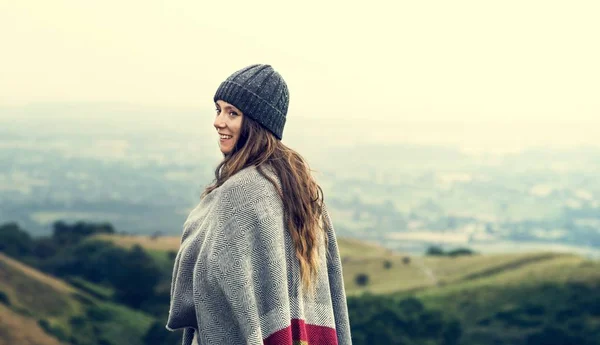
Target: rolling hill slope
[[34, 298], [12, 324], [499, 299], [554, 298], [389, 273]]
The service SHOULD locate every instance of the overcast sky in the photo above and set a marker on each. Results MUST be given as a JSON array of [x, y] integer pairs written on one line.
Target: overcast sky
[[378, 60]]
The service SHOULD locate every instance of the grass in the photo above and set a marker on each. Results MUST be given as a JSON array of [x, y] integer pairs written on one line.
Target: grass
[[350, 247], [428, 272], [398, 277], [162, 243], [493, 312], [30, 290], [124, 326], [559, 269], [56, 284], [66, 311], [11, 330], [96, 290], [508, 305], [490, 294]]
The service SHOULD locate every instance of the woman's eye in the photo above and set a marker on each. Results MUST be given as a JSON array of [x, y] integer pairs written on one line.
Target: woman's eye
[[217, 110], [233, 113]]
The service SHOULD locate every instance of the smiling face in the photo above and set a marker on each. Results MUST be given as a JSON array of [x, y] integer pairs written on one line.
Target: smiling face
[[228, 123]]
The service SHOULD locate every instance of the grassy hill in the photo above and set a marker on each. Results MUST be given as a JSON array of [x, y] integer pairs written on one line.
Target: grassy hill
[[499, 299], [521, 301], [12, 324], [389, 273], [30, 297]]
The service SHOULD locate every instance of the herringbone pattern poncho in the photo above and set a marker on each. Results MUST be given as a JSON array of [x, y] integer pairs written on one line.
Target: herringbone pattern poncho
[[236, 278]]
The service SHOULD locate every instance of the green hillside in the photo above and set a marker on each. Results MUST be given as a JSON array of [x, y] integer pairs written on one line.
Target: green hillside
[[557, 298], [389, 273], [11, 330], [65, 312], [527, 298], [531, 298]]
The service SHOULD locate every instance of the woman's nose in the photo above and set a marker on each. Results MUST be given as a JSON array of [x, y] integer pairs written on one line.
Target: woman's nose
[[219, 123]]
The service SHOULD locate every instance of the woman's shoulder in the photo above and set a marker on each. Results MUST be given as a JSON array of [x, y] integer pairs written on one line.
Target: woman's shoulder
[[250, 183]]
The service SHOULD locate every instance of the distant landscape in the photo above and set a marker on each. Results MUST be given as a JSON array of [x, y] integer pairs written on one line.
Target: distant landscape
[[143, 169]]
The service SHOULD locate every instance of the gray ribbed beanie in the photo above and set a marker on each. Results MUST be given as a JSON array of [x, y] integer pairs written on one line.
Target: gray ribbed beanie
[[260, 93]]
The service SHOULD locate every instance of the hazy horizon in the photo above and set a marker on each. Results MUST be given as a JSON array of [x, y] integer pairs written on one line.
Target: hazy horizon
[[470, 137]]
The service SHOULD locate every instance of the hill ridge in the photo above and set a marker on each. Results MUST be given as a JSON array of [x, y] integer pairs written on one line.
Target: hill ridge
[[38, 275]]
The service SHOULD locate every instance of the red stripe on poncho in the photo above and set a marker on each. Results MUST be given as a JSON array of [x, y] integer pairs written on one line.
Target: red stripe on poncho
[[301, 333]]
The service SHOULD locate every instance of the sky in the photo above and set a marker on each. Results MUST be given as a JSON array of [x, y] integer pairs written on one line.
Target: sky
[[374, 61]]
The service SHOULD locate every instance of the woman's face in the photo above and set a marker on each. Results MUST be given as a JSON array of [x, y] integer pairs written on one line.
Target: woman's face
[[228, 123]]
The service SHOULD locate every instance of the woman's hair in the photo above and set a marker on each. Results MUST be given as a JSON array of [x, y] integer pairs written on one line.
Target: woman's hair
[[302, 197]]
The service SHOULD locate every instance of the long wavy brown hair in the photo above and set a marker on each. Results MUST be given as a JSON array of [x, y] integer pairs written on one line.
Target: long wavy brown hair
[[302, 197]]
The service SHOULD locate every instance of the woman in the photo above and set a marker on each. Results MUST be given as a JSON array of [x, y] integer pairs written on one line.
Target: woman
[[258, 261]]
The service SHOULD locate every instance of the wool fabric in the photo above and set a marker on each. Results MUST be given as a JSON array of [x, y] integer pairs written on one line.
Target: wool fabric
[[236, 278], [260, 93]]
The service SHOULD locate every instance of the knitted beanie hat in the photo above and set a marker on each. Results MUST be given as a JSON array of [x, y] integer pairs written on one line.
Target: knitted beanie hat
[[260, 93]]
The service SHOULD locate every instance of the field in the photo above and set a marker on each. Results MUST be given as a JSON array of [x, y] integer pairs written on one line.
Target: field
[[507, 294]]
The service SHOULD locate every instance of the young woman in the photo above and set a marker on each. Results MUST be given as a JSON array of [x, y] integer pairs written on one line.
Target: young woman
[[258, 261]]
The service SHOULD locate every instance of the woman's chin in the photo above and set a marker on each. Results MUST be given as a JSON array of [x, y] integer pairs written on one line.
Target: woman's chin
[[225, 149]]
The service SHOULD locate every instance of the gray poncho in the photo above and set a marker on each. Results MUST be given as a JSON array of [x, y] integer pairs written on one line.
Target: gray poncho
[[236, 278]]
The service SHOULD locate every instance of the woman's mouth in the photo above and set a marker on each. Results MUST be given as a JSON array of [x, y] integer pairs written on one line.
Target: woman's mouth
[[225, 137]]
